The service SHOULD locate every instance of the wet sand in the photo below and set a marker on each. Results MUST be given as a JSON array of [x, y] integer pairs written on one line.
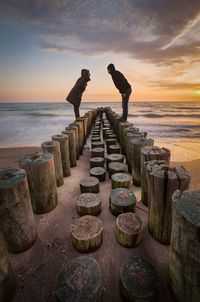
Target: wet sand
[[37, 268]]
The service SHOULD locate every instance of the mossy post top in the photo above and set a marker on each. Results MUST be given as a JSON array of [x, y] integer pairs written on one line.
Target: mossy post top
[[35, 159], [188, 204], [11, 176], [122, 196]]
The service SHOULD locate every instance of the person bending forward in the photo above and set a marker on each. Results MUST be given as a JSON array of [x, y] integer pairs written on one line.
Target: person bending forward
[[124, 88], [75, 95]]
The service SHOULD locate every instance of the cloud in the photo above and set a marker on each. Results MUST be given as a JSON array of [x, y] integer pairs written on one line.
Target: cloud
[[156, 31]]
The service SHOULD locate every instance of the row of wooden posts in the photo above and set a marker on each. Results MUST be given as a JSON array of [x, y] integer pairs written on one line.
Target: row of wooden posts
[[173, 210]]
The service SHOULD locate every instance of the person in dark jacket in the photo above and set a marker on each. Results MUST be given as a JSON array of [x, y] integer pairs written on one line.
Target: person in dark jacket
[[75, 95], [124, 88]]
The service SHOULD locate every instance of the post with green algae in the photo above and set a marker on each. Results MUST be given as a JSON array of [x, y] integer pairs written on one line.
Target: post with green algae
[[54, 148], [41, 180], [17, 222], [64, 148], [7, 277], [184, 260]]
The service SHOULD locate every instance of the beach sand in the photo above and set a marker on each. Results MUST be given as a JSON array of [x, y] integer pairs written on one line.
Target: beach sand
[[37, 268]]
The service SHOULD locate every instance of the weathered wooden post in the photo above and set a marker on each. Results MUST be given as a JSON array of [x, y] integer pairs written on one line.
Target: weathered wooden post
[[64, 149], [80, 280], [110, 142], [40, 172], [138, 280], [163, 182], [137, 144], [184, 260], [72, 147], [75, 128], [81, 121], [97, 145], [149, 153], [88, 204], [17, 222], [121, 200], [116, 167], [7, 278], [80, 135], [97, 162], [128, 145], [114, 149], [54, 148], [121, 180], [98, 172], [97, 152], [110, 158], [86, 234], [89, 185]]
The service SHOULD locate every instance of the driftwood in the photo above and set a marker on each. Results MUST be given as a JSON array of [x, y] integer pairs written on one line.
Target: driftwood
[[121, 180], [138, 280], [121, 200], [116, 167], [88, 204], [163, 182], [80, 280], [184, 261], [72, 146], [89, 185], [17, 222], [40, 172], [128, 229], [151, 153], [64, 149], [136, 145], [7, 277], [86, 234], [54, 148], [99, 173], [97, 162]]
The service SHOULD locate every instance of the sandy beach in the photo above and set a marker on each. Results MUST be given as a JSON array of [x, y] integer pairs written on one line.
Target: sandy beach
[[37, 268]]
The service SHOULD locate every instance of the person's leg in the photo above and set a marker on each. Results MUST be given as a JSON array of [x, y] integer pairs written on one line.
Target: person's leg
[[125, 101], [76, 111]]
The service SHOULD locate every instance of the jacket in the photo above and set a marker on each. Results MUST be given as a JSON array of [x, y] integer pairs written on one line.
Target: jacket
[[75, 95], [119, 79]]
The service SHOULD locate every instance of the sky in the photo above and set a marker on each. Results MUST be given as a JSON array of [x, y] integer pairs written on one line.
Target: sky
[[45, 44]]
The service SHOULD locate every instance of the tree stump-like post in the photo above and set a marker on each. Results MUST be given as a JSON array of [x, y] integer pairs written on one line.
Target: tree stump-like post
[[149, 153], [128, 229], [97, 162], [76, 135], [86, 234], [138, 280], [121, 180], [54, 148], [184, 261], [114, 157], [114, 149], [97, 145], [7, 277], [116, 167], [64, 149], [97, 152], [163, 182], [81, 121], [122, 200], [95, 139], [137, 144], [88, 204], [81, 135], [80, 280], [110, 142], [99, 173], [17, 222], [40, 172], [72, 147], [89, 185]]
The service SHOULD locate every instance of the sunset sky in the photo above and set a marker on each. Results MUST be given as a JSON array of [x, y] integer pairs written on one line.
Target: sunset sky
[[45, 44]]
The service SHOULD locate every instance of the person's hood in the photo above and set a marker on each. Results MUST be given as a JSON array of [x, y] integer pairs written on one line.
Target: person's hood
[[85, 73], [111, 67]]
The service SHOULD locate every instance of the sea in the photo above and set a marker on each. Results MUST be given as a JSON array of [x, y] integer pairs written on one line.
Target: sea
[[173, 125]]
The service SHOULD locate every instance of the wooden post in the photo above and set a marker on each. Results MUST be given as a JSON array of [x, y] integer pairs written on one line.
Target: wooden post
[[97, 162], [40, 172], [110, 142], [121, 180], [64, 149], [116, 167], [81, 121], [184, 260], [7, 278], [149, 153], [80, 280], [89, 185], [86, 234], [121, 200], [163, 182], [138, 280], [97, 145], [114, 149], [98, 172], [111, 158], [17, 222], [77, 135], [54, 148], [88, 204], [81, 135], [97, 152], [72, 147], [137, 144]]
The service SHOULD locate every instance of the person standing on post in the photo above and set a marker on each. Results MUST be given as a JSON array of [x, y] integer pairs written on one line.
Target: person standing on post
[[124, 88], [75, 95]]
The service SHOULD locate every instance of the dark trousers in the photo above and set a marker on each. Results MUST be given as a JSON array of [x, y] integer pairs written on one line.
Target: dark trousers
[[76, 111], [125, 101]]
